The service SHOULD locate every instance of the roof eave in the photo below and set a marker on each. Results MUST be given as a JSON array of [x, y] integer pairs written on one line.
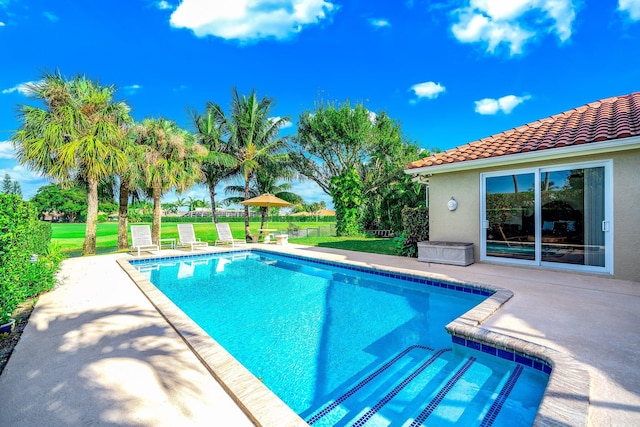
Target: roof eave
[[613, 145]]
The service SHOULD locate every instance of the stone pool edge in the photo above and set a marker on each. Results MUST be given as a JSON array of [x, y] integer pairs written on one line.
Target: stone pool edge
[[259, 403], [566, 398], [565, 401]]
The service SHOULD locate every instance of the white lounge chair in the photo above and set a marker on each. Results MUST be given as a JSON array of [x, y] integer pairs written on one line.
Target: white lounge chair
[[225, 237], [141, 239], [187, 237]]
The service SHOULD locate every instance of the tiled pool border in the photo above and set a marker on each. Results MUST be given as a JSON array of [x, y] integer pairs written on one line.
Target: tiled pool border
[[460, 287], [266, 409]]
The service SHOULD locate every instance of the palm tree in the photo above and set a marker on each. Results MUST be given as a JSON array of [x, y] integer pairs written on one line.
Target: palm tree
[[180, 202], [172, 160], [220, 164], [266, 181], [254, 137], [130, 181], [77, 133]]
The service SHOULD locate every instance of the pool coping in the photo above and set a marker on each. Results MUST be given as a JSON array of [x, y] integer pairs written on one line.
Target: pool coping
[[564, 401]]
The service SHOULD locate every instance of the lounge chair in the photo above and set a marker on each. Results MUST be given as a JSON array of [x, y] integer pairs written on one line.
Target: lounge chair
[[141, 239], [187, 237], [225, 237]]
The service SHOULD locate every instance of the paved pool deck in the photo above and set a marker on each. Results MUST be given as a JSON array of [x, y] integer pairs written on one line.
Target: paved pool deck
[[97, 352]]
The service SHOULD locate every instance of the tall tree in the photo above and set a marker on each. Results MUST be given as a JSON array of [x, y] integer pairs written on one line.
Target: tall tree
[[266, 181], [396, 190], [254, 134], [351, 153], [172, 161], [130, 180], [16, 189], [213, 133], [76, 133], [7, 184]]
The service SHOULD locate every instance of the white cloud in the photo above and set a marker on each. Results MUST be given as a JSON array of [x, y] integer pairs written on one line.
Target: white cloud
[[379, 22], [6, 150], [23, 174], [22, 88], [131, 89], [513, 22], [506, 104], [250, 20], [429, 90], [164, 5], [2, 24], [632, 7], [50, 16], [286, 124]]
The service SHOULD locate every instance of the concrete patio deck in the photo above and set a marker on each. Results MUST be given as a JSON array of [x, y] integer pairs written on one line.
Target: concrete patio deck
[[97, 352]]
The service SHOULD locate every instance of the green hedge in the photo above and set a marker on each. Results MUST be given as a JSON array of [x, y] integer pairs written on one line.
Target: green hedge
[[271, 219], [415, 223], [21, 235]]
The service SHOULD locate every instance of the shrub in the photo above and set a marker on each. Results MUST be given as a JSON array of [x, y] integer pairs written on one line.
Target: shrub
[[272, 219], [415, 222], [346, 191], [21, 235]]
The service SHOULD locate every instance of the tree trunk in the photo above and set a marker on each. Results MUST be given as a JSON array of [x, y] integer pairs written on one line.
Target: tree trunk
[[263, 215], [123, 213], [157, 215], [89, 246], [546, 181], [247, 230], [212, 196]]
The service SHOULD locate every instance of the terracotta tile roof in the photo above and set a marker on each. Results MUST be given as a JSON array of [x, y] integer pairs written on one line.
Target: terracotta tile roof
[[604, 120]]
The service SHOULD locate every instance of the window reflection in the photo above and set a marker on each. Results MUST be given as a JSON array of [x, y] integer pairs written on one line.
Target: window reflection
[[572, 215], [510, 212]]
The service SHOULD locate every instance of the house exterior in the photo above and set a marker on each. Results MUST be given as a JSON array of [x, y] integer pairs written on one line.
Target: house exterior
[[562, 192]]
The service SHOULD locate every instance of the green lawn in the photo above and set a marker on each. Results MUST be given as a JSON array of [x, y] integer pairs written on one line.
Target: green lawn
[[360, 244], [71, 236]]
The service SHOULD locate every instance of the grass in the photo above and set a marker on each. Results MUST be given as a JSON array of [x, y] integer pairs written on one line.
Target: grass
[[359, 244], [71, 237]]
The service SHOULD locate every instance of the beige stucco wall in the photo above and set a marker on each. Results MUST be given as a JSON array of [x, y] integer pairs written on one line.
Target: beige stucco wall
[[463, 225], [626, 215]]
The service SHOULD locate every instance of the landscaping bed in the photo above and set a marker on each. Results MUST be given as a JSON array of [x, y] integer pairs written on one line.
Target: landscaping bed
[[7, 344]]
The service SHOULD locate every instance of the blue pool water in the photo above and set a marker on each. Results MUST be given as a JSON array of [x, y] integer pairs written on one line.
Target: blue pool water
[[346, 347]]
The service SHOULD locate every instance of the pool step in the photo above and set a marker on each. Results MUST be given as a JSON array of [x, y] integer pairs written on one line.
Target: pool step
[[376, 383], [422, 387]]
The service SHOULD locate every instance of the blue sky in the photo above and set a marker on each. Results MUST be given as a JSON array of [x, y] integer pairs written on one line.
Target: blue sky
[[450, 72]]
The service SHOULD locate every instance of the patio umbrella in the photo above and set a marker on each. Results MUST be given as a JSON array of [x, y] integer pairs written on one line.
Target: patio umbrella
[[266, 200]]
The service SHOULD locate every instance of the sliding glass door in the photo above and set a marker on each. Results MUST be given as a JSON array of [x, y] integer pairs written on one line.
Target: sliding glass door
[[555, 216], [510, 216]]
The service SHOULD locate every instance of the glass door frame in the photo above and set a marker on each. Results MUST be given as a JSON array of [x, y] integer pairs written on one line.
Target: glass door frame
[[538, 172]]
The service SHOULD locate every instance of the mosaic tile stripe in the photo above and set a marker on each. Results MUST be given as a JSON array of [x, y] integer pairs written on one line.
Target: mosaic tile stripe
[[405, 277], [523, 359], [496, 407], [442, 393], [399, 276], [397, 389], [364, 382]]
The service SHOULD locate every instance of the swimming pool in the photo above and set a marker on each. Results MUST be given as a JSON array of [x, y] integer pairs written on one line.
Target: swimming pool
[[341, 344]]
